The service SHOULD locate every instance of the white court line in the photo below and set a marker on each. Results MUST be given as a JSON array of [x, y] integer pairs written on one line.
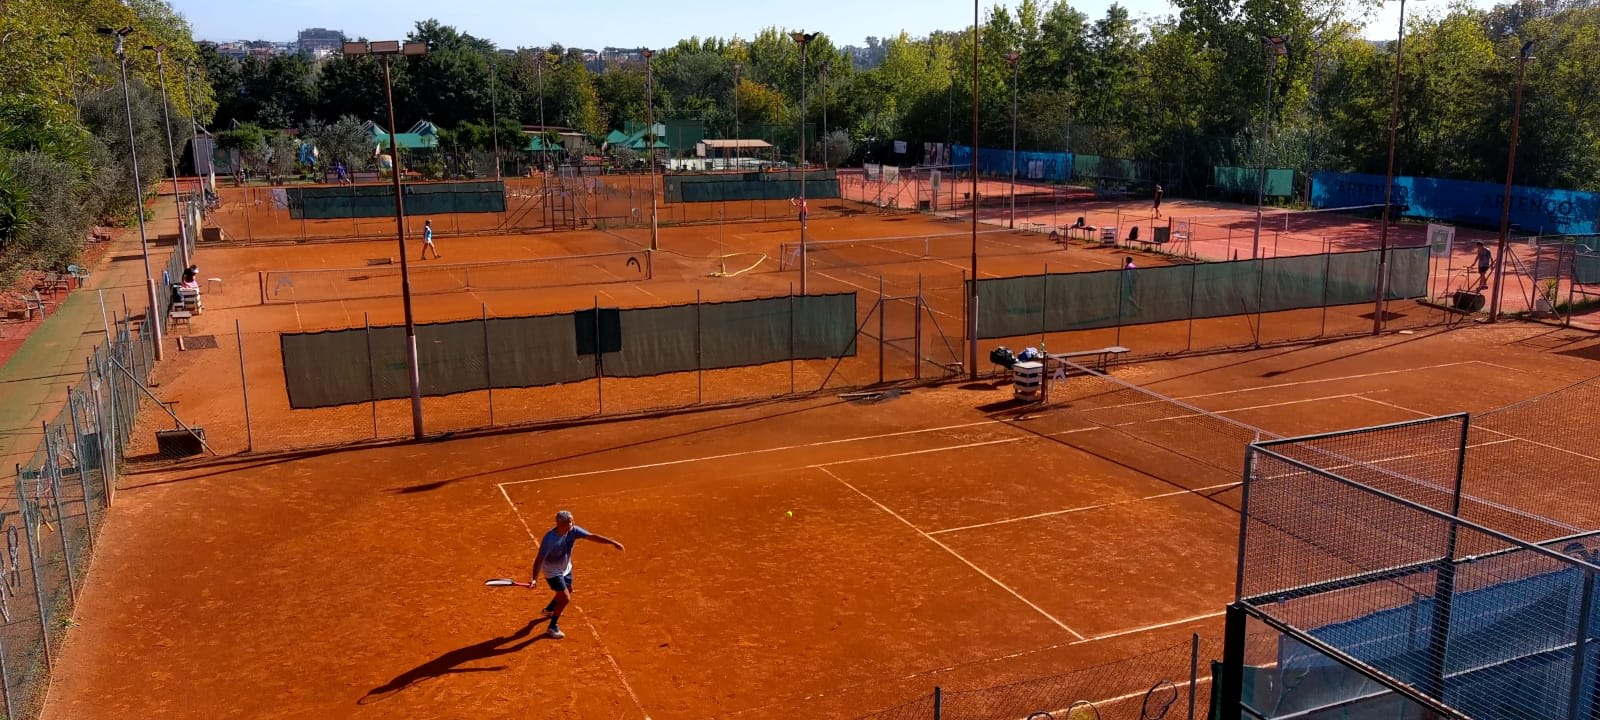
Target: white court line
[[1334, 379], [957, 555], [1157, 626], [1509, 437], [743, 453], [1085, 508], [859, 438], [592, 629]]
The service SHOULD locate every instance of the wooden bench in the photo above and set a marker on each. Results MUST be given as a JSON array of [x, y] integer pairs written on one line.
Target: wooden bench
[[1085, 233], [1101, 357]]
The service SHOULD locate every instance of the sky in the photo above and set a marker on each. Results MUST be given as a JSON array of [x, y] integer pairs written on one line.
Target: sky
[[659, 23]]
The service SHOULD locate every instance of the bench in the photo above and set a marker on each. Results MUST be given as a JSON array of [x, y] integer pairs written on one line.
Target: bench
[[1101, 357], [1085, 233], [179, 317]]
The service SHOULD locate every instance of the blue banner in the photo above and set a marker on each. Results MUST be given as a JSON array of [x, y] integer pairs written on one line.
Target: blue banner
[[1031, 165], [1533, 210]]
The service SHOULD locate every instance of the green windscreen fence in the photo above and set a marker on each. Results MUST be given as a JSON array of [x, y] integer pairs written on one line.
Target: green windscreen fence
[[1011, 307], [359, 201], [358, 365], [1099, 167], [1586, 268], [1243, 181], [723, 187]]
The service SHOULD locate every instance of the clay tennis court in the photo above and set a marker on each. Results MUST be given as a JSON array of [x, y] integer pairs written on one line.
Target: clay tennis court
[[939, 537]]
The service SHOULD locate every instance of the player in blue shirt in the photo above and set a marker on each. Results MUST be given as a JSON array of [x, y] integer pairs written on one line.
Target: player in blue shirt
[[554, 563], [427, 240]]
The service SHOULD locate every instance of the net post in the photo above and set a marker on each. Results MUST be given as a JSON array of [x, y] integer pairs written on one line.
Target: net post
[[1044, 313], [938, 702], [488, 359], [261, 284], [244, 387]]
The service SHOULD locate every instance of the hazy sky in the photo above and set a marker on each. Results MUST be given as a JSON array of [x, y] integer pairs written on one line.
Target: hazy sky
[[630, 23]]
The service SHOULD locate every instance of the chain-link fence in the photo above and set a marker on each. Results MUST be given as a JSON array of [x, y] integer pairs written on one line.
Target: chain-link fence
[[1364, 550], [55, 507], [1171, 683]]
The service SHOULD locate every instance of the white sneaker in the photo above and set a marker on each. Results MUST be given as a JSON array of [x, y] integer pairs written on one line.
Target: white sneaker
[[555, 633]]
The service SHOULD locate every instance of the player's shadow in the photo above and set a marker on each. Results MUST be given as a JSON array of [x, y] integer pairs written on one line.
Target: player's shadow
[[449, 663]]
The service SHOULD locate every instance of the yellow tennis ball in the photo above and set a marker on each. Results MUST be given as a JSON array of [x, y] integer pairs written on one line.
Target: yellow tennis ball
[[790, 513]]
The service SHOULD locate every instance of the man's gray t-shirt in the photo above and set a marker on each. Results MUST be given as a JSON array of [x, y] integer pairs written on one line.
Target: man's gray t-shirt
[[558, 550]]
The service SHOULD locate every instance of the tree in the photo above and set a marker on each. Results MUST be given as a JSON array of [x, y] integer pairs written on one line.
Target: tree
[[283, 156], [343, 141], [353, 86], [838, 147]]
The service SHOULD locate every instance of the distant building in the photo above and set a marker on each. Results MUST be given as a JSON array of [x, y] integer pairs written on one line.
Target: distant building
[[320, 42]]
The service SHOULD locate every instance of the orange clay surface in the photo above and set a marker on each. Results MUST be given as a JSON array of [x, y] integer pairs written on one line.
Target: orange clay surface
[[935, 540]]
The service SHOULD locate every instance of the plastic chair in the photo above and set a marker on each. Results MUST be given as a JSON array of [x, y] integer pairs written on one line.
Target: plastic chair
[[79, 274]]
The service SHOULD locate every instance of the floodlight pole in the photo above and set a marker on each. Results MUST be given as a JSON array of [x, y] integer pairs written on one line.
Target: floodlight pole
[[194, 128], [153, 319], [803, 39], [494, 117], [386, 56], [1505, 202], [1388, 181], [1012, 57], [172, 157], [972, 300], [650, 141], [738, 147], [826, 66], [1276, 47]]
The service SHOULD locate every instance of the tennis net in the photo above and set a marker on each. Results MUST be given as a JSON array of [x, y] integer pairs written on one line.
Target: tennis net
[[1291, 221], [381, 279], [1192, 447], [881, 251]]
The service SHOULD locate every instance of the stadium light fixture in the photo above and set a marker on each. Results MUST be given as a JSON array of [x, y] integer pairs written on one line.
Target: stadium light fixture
[[153, 315], [386, 50], [803, 39]]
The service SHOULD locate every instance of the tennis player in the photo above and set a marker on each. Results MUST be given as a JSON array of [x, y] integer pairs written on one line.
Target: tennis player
[[805, 210], [427, 240], [1485, 260], [555, 564], [1158, 200]]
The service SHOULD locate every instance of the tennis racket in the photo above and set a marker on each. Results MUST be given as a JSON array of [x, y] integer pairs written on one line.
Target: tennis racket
[[1158, 700], [506, 582]]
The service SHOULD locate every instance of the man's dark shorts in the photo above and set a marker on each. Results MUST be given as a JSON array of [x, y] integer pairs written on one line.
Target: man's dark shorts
[[560, 583]]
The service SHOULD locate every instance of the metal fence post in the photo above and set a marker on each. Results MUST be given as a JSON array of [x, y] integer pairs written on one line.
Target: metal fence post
[[883, 343], [33, 570], [372, 374], [791, 339], [1194, 670], [244, 387], [916, 333], [1194, 282], [83, 473], [599, 364], [52, 473], [938, 702], [105, 425], [5, 682], [699, 353], [488, 360], [1580, 650], [1327, 272]]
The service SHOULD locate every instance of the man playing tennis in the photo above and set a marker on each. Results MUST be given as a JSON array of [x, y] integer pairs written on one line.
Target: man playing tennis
[[555, 563]]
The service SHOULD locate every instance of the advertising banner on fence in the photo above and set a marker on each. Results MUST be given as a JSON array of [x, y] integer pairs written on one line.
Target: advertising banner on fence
[[1440, 239], [1533, 210], [1053, 166]]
